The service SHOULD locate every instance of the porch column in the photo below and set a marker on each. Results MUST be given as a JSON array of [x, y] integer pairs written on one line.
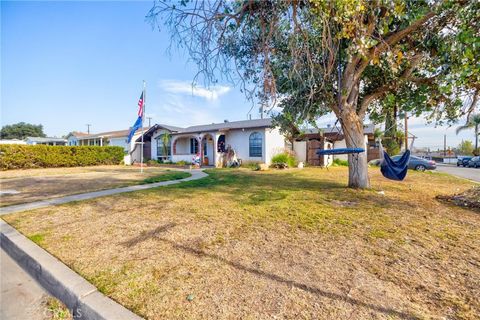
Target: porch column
[[200, 147], [215, 149]]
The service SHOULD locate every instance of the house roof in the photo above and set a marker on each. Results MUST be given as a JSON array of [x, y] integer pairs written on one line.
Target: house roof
[[163, 126], [108, 134], [243, 124], [77, 134], [46, 139]]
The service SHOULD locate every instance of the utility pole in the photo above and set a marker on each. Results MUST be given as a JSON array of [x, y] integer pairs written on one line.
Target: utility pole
[[149, 118], [444, 145], [88, 128], [406, 131]]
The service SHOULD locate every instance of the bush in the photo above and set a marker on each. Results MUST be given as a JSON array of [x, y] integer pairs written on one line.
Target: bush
[[340, 163], [283, 160], [252, 165], [152, 163], [14, 156]]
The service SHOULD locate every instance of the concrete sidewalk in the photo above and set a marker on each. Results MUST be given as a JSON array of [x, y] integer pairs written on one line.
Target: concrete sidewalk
[[196, 174]]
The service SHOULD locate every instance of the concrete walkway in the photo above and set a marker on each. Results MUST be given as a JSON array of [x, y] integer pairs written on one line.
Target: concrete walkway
[[196, 174]]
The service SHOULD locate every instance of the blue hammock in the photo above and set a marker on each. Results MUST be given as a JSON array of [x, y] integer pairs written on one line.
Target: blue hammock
[[339, 151], [395, 170]]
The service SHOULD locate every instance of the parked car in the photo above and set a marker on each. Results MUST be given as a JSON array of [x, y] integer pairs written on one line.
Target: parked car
[[415, 163], [474, 162], [463, 161], [419, 164]]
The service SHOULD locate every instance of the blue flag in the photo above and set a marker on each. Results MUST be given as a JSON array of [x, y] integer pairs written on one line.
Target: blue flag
[[135, 127]]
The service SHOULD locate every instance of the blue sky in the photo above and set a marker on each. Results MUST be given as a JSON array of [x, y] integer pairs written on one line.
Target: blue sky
[[66, 64]]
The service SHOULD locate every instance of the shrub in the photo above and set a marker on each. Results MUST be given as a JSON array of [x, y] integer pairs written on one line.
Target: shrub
[[152, 163], [183, 163], [252, 165], [340, 163], [283, 160], [16, 156]]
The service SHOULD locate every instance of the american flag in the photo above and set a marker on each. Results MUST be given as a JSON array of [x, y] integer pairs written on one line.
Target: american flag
[[140, 106]]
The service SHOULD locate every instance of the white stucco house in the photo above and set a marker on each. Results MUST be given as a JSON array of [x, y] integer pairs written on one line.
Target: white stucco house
[[253, 141]]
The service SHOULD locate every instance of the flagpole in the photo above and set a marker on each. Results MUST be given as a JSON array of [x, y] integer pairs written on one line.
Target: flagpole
[[143, 116]]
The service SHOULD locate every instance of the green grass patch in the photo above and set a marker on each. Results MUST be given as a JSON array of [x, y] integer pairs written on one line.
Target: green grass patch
[[38, 238], [173, 175], [57, 309]]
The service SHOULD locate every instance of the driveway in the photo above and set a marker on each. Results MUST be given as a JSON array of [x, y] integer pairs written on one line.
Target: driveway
[[467, 173]]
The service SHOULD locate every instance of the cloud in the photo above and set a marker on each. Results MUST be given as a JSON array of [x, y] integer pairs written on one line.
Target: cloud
[[185, 87]]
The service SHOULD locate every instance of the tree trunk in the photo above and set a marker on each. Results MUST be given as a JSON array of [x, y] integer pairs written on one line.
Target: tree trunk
[[352, 127]]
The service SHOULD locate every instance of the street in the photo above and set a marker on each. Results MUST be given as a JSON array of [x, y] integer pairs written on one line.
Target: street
[[19, 289], [467, 173]]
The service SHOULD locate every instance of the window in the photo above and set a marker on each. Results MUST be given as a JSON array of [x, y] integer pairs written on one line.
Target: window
[[255, 145], [193, 146], [164, 147], [221, 143]]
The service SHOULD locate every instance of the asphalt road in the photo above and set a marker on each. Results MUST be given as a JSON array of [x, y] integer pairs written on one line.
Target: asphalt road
[[20, 297], [467, 173]]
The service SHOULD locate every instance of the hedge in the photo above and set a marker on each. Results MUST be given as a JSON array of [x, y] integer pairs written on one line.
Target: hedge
[[14, 156]]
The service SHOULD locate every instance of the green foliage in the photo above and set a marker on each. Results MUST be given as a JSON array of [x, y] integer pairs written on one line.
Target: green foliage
[[176, 175], [284, 158], [472, 123], [21, 130], [182, 163], [43, 156], [340, 163], [465, 147]]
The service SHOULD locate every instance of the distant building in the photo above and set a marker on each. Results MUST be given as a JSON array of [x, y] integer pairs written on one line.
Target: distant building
[[12, 141], [46, 141], [111, 138]]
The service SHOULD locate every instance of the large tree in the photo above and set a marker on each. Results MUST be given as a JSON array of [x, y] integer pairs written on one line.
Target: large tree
[[343, 56], [21, 130]]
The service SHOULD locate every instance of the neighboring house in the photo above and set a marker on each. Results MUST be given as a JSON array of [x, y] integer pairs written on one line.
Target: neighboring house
[[12, 141], [73, 137], [46, 141], [110, 138], [310, 141], [253, 141]]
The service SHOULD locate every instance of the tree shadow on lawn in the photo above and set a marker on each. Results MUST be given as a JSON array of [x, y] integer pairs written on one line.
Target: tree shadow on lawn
[[260, 187], [155, 234]]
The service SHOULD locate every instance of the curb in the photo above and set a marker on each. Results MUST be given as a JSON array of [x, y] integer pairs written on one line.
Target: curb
[[197, 174], [82, 298]]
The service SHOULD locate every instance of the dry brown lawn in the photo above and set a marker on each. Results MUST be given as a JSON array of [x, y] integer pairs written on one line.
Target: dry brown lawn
[[38, 184], [290, 244]]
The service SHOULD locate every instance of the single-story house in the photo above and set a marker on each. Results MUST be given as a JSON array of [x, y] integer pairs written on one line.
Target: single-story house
[[110, 138], [50, 141], [253, 141]]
